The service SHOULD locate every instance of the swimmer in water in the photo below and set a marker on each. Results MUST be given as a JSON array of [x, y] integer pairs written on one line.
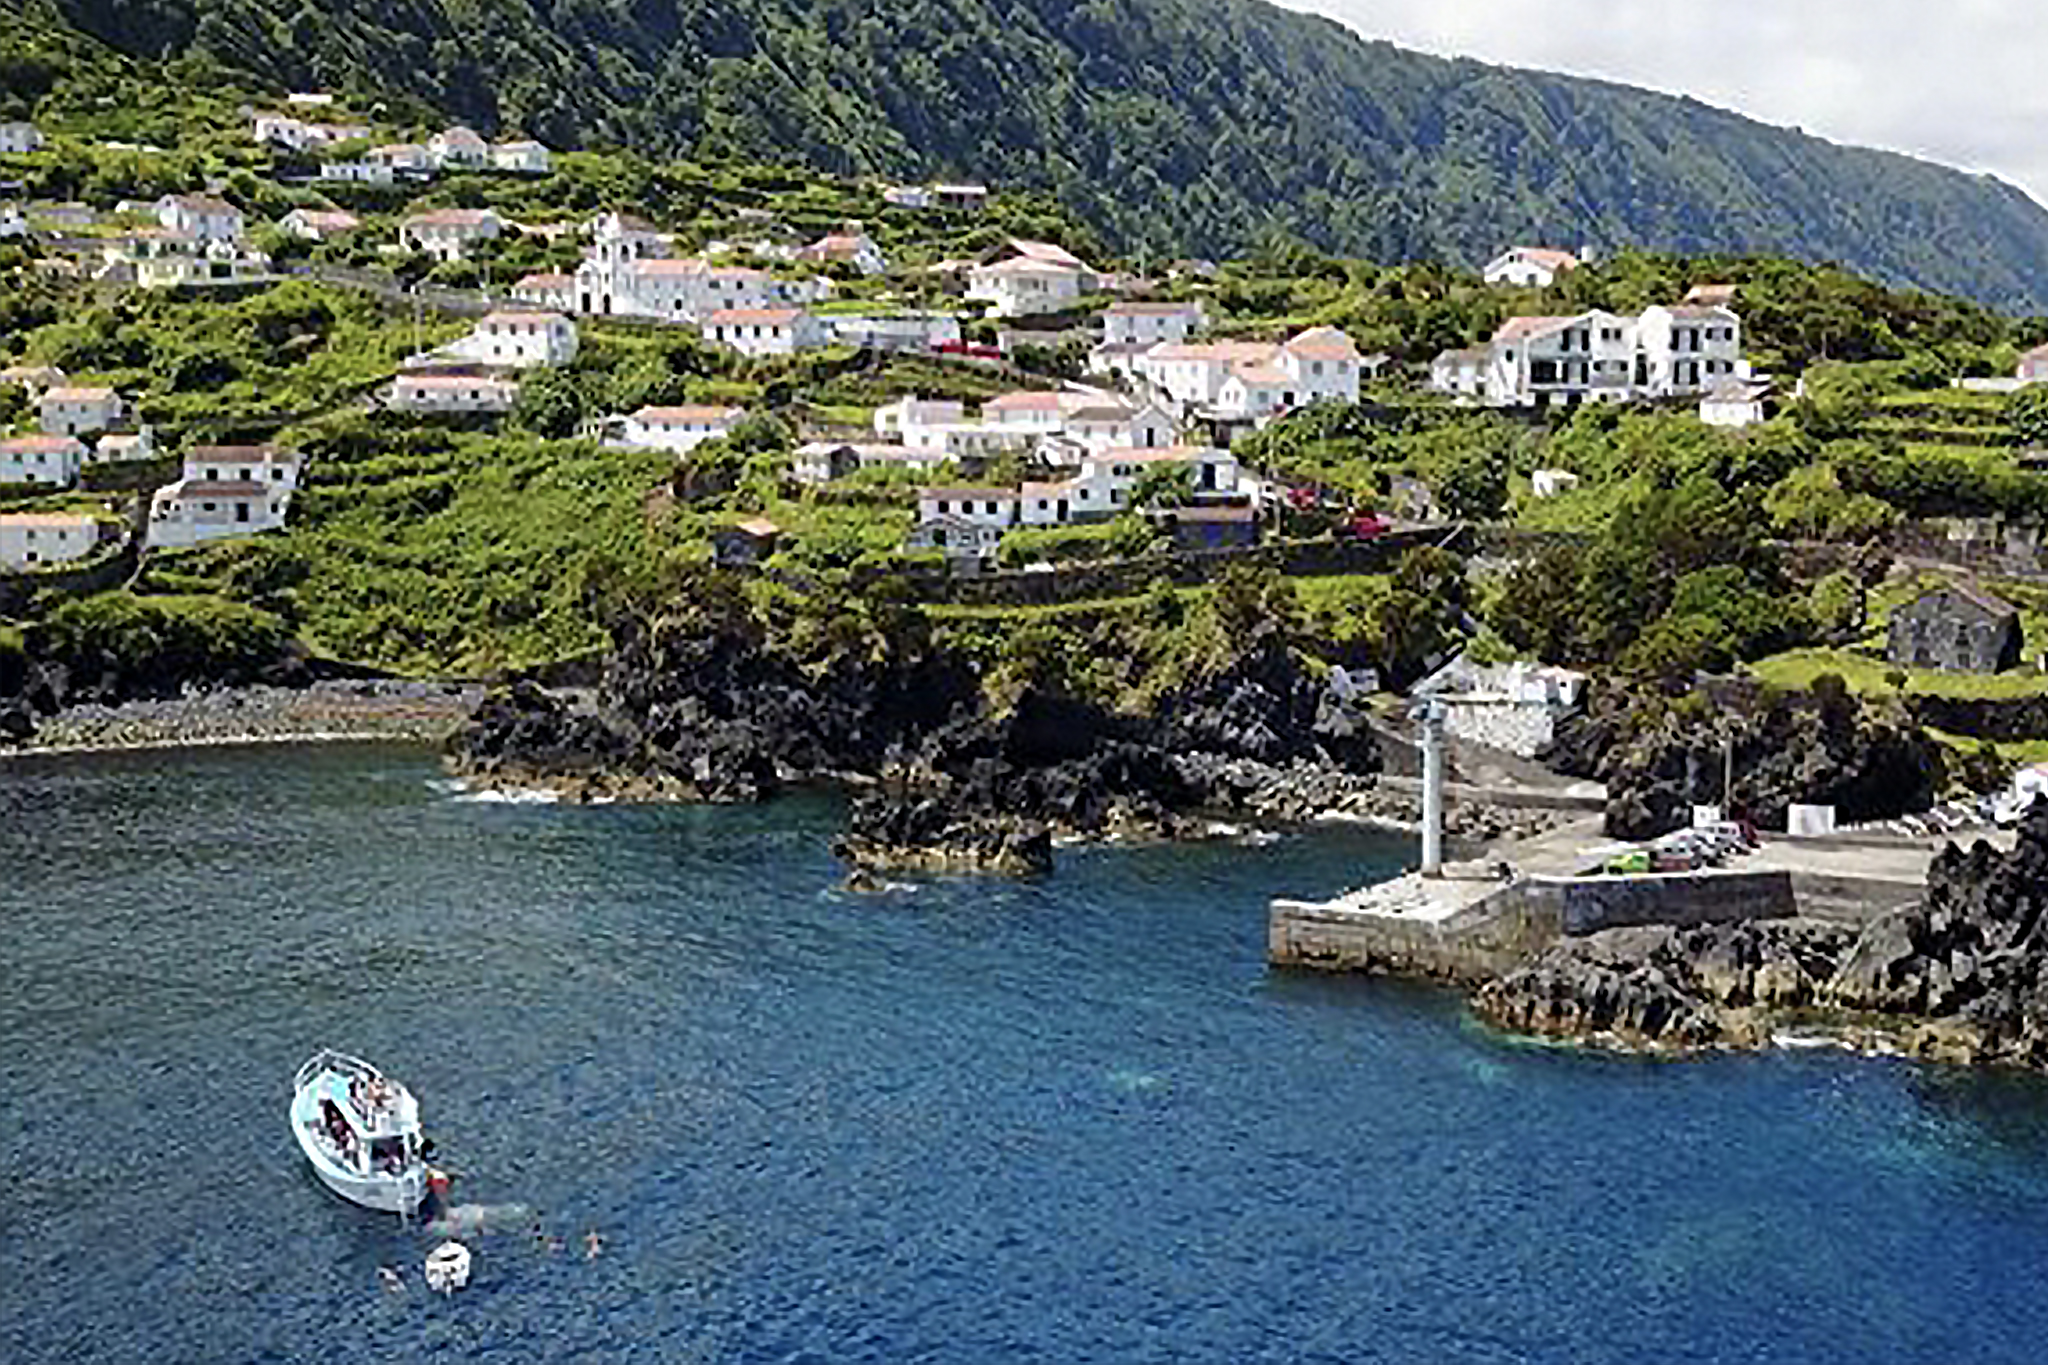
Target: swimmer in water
[[592, 1244], [392, 1281]]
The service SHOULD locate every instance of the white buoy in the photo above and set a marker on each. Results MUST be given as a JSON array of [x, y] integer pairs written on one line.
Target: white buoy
[[448, 1267]]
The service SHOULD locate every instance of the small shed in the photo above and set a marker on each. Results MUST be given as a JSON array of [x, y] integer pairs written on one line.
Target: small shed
[[1956, 628], [1214, 528], [744, 545]]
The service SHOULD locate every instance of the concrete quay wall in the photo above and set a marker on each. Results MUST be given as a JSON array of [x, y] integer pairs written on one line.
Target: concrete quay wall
[[1492, 937], [1591, 904]]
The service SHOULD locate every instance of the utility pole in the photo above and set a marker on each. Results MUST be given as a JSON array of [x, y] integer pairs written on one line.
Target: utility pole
[[1432, 719]]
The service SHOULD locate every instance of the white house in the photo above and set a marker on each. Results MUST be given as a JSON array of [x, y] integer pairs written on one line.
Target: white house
[[1462, 374], [449, 234], [459, 148], [818, 462], [764, 331], [899, 419], [1689, 349], [1019, 288], [1112, 424], [123, 447], [13, 222], [1531, 267], [689, 290], [46, 460], [193, 510], [1256, 381], [30, 540], [520, 339], [547, 290], [681, 429], [1734, 405], [317, 225], [1149, 324], [166, 258], [407, 157], [1028, 277], [851, 246], [893, 331], [964, 521], [300, 135], [524, 157], [199, 215], [966, 198], [363, 172], [426, 393], [1551, 483], [1043, 410], [1321, 364], [33, 378], [1191, 374], [18, 138], [268, 465], [2033, 366], [79, 410]]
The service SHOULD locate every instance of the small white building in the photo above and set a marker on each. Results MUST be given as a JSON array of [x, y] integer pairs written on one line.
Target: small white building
[[764, 331], [965, 522], [1042, 410], [18, 138], [1461, 374], [1113, 424], [45, 461], [363, 172], [520, 339], [680, 429], [685, 290], [30, 540], [13, 222], [459, 148], [123, 447], [2033, 366], [1689, 350], [1734, 405], [1529, 267], [193, 510], [33, 379], [524, 157], [851, 247], [449, 234], [318, 225], [431, 393], [1149, 324], [409, 158], [165, 258], [1020, 288], [893, 331], [1551, 483], [199, 215], [897, 420], [79, 410]]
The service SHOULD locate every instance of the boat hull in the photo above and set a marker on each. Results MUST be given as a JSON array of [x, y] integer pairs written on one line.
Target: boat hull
[[384, 1191]]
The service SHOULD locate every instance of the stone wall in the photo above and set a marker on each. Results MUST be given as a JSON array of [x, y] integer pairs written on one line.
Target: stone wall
[[1185, 568], [1590, 904], [100, 574]]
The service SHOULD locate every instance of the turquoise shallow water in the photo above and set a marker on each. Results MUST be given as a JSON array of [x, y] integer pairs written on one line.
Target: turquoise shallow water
[[1067, 1121]]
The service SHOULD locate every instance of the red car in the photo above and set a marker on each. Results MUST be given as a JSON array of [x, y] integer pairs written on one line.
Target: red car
[[967, 348], [1370, 526]]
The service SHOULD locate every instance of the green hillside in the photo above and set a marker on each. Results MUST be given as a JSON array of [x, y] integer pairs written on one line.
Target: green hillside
[[1173, 125]]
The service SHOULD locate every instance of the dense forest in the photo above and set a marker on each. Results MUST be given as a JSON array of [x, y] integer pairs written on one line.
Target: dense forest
[[1171, 125]]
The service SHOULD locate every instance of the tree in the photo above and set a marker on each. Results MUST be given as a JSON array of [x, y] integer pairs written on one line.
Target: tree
[[550, 404], [2026, 412]]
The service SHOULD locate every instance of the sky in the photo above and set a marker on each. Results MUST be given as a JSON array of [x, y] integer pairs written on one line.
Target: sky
[[1958, 81]]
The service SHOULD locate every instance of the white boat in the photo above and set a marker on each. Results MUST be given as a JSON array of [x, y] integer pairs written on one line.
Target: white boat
[[361, 1132], [447, 1267]]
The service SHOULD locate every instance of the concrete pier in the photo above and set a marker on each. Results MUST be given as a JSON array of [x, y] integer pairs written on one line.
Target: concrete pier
[[1467, 925]]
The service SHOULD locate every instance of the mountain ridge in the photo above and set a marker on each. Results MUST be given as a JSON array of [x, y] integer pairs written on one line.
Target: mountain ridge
[[1175, 126]]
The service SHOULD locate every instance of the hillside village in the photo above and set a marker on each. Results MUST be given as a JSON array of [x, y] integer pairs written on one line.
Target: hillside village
[[797, 378]]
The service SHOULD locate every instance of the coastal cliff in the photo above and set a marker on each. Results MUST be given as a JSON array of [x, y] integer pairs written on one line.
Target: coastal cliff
[[953, 772], [1961, 977]]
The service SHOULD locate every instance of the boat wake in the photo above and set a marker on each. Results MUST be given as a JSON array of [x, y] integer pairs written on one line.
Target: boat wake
[[468, 1220]]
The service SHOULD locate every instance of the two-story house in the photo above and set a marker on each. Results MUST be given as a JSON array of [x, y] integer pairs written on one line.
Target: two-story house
[[1530, 267], [31, 540], [521, 339], [1151, 324], [764, 331], [449, 234], [79, 409], [201, 216], [44, 460], [1689, 349]]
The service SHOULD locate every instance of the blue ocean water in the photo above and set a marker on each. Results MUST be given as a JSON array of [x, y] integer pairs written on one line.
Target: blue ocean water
[[1066, 1121]]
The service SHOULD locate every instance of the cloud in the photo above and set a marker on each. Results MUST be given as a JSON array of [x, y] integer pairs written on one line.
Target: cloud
[[1959, 82]]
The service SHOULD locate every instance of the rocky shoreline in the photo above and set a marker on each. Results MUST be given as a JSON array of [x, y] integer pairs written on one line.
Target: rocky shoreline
[[396, 711], [1961, 977]]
